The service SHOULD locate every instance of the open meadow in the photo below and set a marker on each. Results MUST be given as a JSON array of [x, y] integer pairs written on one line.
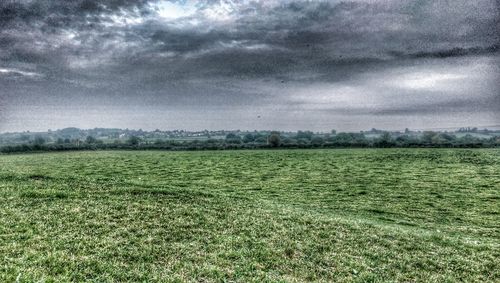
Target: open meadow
[[366, 215]]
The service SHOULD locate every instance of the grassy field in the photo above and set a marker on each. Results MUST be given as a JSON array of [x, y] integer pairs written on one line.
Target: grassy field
[[398, 215]]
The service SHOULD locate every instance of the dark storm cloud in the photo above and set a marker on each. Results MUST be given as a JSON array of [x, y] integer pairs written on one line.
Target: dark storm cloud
[[258, 39], [57, 12], [225, 52]]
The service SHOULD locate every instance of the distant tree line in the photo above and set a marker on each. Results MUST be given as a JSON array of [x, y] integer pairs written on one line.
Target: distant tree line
[[274, 139]]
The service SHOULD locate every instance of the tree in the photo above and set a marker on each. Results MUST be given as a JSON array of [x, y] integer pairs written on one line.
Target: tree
[[403, 140], [385, 140], [90, 140], [342, 139], [24, 138], [133, 140], [233, 138], [248, 138], [427, 137], [305, 135], [274, 139], [260, 139], [39, 140], [317, 141], [438, 140], [289, 142]]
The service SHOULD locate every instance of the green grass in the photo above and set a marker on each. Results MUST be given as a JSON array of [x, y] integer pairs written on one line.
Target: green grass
[[396, 215]]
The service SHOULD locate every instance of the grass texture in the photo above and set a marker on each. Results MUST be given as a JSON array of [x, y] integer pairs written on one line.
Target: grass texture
[[354, 215]]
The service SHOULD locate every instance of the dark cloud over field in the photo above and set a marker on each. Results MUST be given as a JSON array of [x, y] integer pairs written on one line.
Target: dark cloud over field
[[220, 64]]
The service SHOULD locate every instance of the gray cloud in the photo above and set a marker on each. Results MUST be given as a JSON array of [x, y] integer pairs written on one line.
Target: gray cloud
[[198, 53]]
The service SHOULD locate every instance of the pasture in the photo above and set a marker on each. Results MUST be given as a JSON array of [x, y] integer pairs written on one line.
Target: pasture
[[366, 215]]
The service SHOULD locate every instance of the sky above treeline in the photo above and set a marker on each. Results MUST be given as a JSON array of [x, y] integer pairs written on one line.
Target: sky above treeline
[[221, 64]]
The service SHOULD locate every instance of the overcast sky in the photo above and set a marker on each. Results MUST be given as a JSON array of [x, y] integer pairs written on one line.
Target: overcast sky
[[221, 64]]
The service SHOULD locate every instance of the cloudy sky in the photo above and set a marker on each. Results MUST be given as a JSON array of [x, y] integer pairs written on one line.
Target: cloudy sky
[[222, 64]]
